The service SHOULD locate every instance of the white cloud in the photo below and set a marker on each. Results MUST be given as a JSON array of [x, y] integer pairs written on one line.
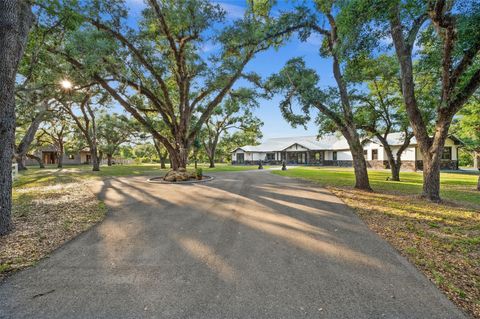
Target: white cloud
[[315, 39], [209, 47], [136, 5], [233, 11]]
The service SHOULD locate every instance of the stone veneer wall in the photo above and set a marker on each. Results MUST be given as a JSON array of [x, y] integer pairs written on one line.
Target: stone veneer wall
[[375, 164], [444, 164]]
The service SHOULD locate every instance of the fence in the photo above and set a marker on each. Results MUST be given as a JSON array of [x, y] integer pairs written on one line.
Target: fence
[[14, 171], [118, 161]]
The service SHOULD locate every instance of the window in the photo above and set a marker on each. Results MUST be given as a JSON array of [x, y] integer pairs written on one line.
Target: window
[[71, 156], [447, 153], [240, 158], [334, 155], [270, 156], [365, 154], [374, 155], [319, 156]]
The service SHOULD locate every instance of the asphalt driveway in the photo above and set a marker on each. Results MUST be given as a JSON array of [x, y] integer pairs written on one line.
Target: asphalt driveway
[[246, 245]]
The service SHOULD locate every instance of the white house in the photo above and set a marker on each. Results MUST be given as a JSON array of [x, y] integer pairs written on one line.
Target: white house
[[333, 150]]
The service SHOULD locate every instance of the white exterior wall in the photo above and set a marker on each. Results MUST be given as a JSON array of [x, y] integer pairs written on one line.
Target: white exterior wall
[[296, 148], [344, 155], [448, 143], [328, 155], [407, 155], [258, 156], [374, 146], [234, 154]]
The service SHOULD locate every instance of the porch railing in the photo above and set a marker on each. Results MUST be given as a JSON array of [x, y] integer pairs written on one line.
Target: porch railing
[[14, 171]]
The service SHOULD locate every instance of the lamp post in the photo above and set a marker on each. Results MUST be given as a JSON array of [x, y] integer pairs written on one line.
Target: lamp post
[[260, 165]]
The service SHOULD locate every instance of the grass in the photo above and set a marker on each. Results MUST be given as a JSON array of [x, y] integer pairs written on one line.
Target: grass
[[45, 214], [51, 206], [73, 173], [457, 187], [442, 240]]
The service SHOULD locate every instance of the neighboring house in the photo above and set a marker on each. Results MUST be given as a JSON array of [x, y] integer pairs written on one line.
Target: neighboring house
[[333, 150], [49, 156]]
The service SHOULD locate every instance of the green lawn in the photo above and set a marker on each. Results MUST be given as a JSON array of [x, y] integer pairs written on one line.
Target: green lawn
[[51, 206], [442, 240], [52, 175], [458, 187]]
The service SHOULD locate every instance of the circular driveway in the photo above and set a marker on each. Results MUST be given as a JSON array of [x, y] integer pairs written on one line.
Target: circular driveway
[[245, 245]]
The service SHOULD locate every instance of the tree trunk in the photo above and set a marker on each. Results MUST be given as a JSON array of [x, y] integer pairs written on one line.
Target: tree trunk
[[60, 160], [161, 156], [431, 177], [95, 158], [178, 160], [60, 155], [95, 164], [179, 156], [39, 160], [20, 162], [360, 168], [212, 149], [15, 21], [478, 183], [7, 129], [395, 165], [162, 162], [395, 169], [476, 159], [359, 163], [21, 150], [109, 159]]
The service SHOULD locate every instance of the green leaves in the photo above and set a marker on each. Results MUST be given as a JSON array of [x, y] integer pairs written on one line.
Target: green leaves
[[467, 126], [298, 84]]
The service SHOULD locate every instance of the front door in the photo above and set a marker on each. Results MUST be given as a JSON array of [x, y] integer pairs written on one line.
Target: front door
[[49, 158], [301, 158], [240, 158]]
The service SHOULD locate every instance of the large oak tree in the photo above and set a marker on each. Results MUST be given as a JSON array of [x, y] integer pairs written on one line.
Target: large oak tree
[[455, 52], [233, 114], [302, 85], [16, 19], [162, 65], [440, 38]]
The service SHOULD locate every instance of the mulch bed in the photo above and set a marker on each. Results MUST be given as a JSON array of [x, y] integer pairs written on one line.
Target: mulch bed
[[442, 240], [44, 218]]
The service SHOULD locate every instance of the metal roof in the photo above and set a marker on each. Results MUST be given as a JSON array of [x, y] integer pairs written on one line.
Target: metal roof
[[326, 142], [396, 139]]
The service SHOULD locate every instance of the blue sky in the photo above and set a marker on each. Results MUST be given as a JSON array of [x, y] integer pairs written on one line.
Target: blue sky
[[269, 62]]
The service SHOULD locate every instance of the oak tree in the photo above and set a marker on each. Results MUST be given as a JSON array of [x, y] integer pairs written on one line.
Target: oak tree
[[16, 18], [163, 61]]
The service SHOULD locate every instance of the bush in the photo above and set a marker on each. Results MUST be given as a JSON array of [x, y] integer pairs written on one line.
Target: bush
[[465, 158], [199, 172]]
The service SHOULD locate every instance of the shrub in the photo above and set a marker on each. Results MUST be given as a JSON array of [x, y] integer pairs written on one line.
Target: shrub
[[199, 172]]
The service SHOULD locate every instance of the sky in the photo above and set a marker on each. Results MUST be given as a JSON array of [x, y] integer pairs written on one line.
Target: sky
[[269, 62]]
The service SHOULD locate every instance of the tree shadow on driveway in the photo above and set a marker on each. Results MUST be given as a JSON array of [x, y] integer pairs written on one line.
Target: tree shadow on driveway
[[249, 245]]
